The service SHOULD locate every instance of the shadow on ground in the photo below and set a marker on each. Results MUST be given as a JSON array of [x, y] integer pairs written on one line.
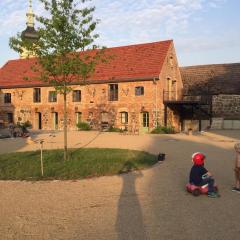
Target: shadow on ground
[[129, 223]]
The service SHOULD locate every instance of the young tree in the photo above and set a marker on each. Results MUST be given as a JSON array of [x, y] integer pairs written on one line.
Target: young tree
[[65, 51]]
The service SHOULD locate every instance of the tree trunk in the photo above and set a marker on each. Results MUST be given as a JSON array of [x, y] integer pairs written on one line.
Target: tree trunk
[[65, 124]]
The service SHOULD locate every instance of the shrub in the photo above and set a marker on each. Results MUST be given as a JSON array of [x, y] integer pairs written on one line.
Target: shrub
[[23, 126], [26, 124], [113, 129], [83, 126], [160, 129]]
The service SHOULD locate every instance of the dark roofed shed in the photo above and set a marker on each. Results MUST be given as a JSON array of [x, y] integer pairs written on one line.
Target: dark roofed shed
[[211, 79]]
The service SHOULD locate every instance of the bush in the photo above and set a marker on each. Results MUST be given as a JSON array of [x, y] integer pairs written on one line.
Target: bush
[[26, 124], [83, 126], [23, 126], [113, 129], [166, 130]]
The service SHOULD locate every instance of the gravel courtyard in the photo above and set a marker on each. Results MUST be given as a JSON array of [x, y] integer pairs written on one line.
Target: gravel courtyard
[[150, 204]]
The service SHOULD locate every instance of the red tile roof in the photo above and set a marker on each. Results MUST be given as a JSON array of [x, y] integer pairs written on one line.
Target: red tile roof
[[128, 62]]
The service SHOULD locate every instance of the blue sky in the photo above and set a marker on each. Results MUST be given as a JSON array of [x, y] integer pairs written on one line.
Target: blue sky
[[204, 31]]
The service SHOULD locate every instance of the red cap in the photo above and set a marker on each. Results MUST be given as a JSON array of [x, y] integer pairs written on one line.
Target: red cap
[[198, 158]]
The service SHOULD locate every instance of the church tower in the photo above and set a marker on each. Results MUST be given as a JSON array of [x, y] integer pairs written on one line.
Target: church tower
[[29, 34]]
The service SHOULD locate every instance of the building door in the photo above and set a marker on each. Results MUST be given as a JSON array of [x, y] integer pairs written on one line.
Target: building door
[[10, 117], [104, 120], [55, 120], [78, 117], [39, 120], [144, 121]]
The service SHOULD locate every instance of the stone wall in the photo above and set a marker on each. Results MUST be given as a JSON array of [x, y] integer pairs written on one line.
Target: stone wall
[[226, 106]]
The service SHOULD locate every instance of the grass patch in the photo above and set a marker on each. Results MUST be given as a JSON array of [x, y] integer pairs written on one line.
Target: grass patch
[[82, 163]]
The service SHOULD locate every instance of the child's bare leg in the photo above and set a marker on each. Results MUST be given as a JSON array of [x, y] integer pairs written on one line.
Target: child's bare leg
[[237, 176]]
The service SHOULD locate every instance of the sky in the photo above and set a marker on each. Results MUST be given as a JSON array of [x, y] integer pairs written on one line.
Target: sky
[[203, 31]]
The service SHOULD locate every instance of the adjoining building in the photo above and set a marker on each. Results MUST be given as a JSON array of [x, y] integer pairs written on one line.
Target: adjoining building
[[217, 88]]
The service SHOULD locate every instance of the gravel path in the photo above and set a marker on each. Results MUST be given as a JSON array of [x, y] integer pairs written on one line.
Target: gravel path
[[151, 204]]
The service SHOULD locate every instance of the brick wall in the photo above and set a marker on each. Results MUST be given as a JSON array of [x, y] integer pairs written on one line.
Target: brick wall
[[171, 80], [94, 101]]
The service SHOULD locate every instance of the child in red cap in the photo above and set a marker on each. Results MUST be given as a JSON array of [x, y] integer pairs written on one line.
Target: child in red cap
[[200, 176]]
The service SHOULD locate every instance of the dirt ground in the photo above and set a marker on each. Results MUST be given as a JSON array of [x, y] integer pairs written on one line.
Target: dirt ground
[[149, 204]]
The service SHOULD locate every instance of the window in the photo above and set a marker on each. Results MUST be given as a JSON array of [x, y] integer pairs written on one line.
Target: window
[[113, 92], [139, 91], [7, 97], [124, 117], [145, 119], [52, 96], [76, 96], [37, 95]]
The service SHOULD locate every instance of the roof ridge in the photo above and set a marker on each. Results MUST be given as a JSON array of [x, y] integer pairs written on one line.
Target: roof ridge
[[142, 44], [208, 65], [108, 48]]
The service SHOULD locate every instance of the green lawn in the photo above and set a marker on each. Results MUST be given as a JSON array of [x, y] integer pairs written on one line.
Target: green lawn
[[82, 163]]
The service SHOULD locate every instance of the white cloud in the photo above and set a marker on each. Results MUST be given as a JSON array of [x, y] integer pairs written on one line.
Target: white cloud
[[127, 18], [128, 21]]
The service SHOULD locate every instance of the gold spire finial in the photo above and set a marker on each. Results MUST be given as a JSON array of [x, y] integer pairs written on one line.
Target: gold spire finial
[[30, 15]]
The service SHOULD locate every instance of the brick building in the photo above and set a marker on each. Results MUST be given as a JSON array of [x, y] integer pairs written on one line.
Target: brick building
[[127, 92]]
